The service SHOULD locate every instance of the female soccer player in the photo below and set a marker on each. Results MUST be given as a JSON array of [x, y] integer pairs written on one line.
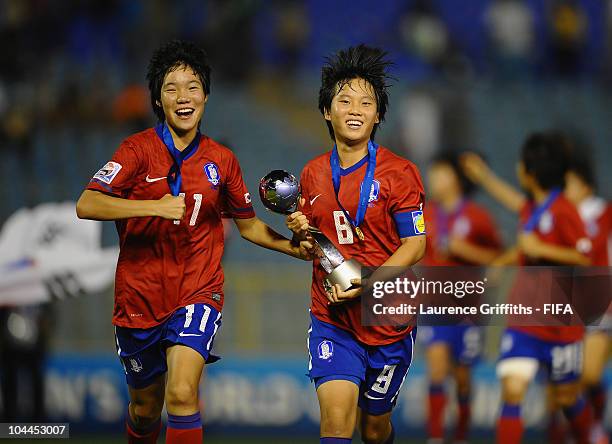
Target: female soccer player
[[368, 202], [166, 188], [459, 233], [596, 213], [551, 233]]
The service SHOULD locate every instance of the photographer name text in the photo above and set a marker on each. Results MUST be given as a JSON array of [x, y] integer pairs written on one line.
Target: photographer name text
[[484, 309]]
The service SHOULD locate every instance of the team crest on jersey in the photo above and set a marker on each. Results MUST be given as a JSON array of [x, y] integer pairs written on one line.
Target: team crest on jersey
[[212, 173], [584, 245], [326, 349], [546, 223], [136, 365], [108, 172], [374, 192]]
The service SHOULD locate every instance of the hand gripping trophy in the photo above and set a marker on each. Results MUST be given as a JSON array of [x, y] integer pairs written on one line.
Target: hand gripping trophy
[[279, 192]]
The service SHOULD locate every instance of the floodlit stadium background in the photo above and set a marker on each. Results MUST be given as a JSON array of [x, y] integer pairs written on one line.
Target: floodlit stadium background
[[470, 75]]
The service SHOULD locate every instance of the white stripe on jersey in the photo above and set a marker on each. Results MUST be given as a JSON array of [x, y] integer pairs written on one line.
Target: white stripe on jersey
[[214, 332], [408, 369], [308, 348], [117, 341]]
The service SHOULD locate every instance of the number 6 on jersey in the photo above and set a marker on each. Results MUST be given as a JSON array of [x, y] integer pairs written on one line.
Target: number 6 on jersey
[[343, 228]]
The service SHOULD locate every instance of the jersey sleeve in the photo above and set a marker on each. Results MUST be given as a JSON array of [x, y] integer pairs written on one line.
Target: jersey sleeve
[[406, 202], [572, 232], [485, 231], [119, 174], [237, 202]]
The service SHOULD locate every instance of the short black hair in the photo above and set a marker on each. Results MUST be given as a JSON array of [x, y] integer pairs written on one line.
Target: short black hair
[[169, 57], [364, 62], [580, 160], [451, 158], [544, 155]]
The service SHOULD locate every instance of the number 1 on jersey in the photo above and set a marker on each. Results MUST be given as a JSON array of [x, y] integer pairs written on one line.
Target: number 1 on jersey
[[196, 209]]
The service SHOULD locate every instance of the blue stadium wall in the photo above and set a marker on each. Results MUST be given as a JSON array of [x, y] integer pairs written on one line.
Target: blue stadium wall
[[255, 397]]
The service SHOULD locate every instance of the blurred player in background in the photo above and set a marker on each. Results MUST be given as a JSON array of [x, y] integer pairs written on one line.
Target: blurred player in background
[[24, 336], [368, 202], [166, 188], [551, 233], [596, 213], [459, 232]]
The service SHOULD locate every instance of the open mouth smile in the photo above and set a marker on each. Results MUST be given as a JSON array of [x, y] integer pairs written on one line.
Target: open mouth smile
[[354, 124], [184, 113]]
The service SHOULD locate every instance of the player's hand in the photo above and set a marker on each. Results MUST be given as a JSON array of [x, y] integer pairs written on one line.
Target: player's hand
[[298, 222], [530, 244], [337, 295], [455, 245], [305, 250], [171, 207], [474, 167]]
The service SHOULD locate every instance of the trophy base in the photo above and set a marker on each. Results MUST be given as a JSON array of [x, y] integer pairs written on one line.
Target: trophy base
[[343, 274]]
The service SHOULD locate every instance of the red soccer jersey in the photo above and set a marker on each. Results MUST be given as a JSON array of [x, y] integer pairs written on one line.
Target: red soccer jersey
[[163, 264], [596, 214], [559, 225], [397, 190], [470, 222]]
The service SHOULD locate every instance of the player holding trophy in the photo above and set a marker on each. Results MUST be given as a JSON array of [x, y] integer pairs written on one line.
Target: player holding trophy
[[367, 201]]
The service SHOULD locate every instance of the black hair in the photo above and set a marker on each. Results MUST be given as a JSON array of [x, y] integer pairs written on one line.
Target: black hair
[[169, 57], [362, 62], [451, 158], [580, 159], [544, 156]]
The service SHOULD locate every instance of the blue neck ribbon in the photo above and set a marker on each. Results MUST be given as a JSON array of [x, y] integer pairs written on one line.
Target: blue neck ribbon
[[443, 218], [174, 175], [534, 219], [366, 185]]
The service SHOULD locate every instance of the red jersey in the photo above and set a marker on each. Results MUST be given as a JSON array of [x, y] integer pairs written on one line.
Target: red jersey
[[469, 222], [397, 190], [163, 264], [559, 225], [596, 214]]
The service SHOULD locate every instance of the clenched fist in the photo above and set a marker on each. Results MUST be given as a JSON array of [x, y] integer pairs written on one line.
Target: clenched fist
[[171, 207]]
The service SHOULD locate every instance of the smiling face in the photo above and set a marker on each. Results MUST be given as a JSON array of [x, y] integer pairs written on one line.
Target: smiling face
[[183, 100], [353, 112]]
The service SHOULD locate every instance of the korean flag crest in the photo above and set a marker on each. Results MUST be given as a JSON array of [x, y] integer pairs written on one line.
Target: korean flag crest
[[325, 349], [212, 173], [374, 192]]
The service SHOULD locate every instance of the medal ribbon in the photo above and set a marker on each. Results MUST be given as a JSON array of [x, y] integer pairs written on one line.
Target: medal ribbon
[[443, 222], [534, 219], [366, 185], [174, 175]]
